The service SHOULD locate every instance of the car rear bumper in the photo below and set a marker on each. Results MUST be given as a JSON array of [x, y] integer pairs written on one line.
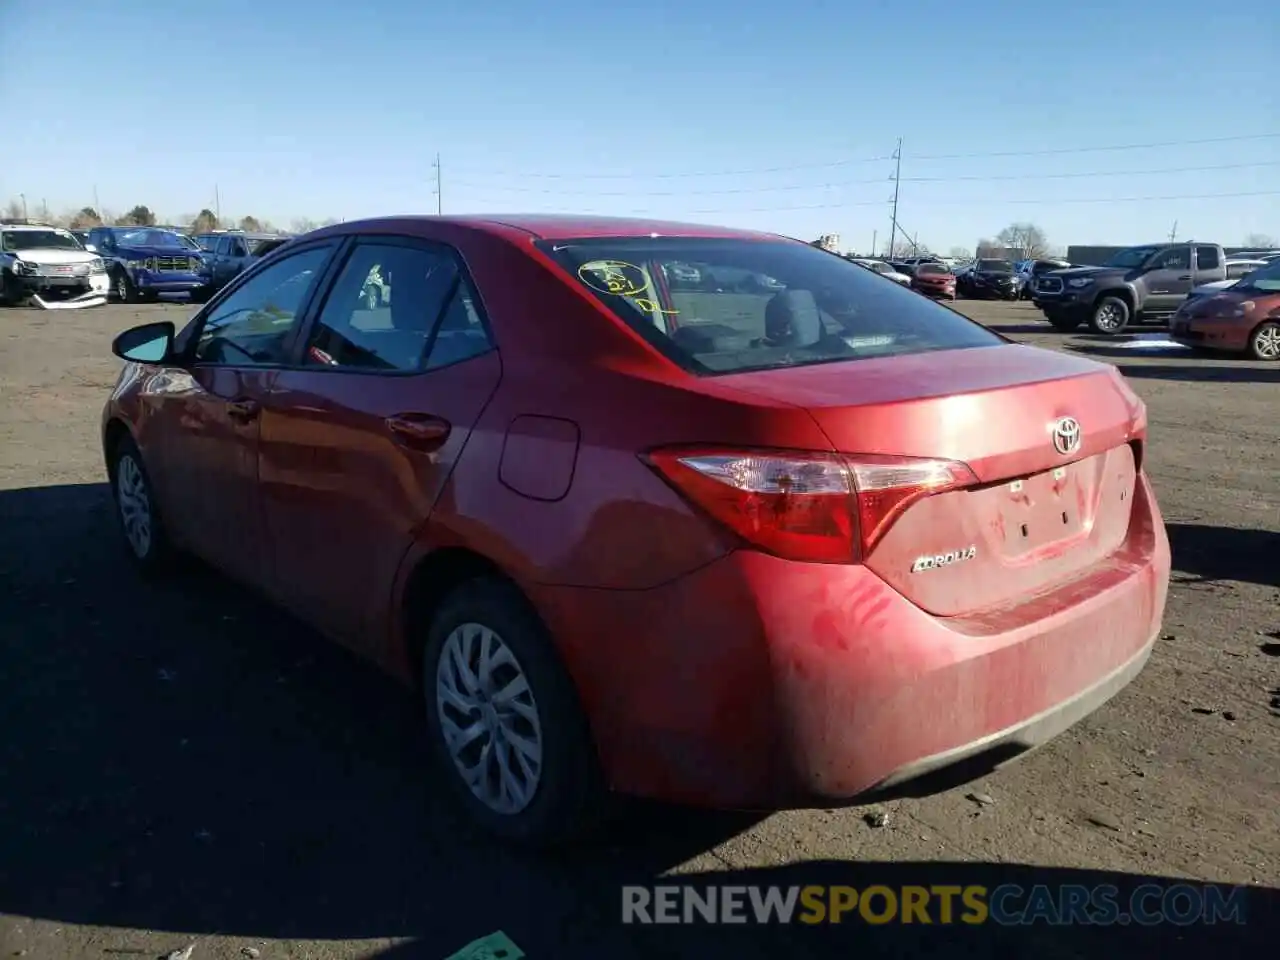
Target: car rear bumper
[[761, 683]]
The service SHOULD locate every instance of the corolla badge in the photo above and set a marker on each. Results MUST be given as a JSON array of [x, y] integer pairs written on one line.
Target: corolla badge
[[1066, 435], [943, 559]]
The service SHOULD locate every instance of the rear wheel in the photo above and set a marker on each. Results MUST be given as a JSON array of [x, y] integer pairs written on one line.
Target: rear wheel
[[1264, 342], [1110, 316], [504, 720]]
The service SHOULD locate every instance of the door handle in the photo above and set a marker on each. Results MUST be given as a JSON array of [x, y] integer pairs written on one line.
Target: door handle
[[1185, 277], [419, 431], [243, 410]]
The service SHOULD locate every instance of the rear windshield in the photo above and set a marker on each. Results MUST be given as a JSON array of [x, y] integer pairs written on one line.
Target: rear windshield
[[726, 306], [932, 270]]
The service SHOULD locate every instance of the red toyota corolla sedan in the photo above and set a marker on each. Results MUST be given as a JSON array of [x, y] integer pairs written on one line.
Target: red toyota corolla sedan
[[728, 543]]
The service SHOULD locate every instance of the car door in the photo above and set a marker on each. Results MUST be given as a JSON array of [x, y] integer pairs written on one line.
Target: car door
[[1167, 279], [208, 410], [360, 436]]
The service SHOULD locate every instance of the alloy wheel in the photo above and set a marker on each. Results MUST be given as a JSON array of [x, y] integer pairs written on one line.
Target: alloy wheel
[[1107, 318], [135, 505], [489, 719], [1267, 343]]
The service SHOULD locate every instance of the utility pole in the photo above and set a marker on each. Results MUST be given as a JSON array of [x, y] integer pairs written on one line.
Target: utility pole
[[23, 198], [1173, 234], [44, 209], [874, 234], [897, 169], [97, 207], [438, 191], [217, 205]]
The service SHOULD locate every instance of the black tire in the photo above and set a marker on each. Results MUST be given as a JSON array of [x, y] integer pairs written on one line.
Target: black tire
[[569, 797], [157, 555], [1110, 316], [10, 295], [123, 289], [1264, 342], [1064, 324]]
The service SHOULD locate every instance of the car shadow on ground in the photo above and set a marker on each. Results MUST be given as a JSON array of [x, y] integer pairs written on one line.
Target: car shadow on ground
[[1208, 369], [180, 757], [1208, 552]]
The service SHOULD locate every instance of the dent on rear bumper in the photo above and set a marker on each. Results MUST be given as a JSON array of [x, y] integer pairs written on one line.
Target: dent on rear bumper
[[757, 682]]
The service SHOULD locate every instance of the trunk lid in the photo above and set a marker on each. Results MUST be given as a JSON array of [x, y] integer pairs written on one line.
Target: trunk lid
[[1037, 517]]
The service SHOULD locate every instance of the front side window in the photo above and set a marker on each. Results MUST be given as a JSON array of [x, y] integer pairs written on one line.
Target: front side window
[[1176, 259], [818, 308], [251, 326], [397, 308]]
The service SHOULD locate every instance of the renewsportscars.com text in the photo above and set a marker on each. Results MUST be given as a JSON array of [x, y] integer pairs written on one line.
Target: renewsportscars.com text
[[1007, 905]]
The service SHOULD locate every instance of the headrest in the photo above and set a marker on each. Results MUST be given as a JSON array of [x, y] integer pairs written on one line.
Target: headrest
[[791, 319]]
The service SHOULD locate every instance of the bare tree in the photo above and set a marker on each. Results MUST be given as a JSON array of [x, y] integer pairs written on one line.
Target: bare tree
[[250, 224], [1260, 241], [1026, 238], [959, 253], [13, 210], [989, 250], [302, 225]]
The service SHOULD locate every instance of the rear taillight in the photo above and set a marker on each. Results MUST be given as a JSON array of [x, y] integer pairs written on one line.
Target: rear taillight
[[816, 507]]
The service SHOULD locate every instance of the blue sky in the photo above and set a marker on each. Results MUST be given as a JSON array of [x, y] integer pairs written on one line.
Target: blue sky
[[778, 116]]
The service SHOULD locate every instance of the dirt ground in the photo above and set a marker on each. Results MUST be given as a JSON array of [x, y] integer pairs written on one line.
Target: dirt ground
[[181, 765]]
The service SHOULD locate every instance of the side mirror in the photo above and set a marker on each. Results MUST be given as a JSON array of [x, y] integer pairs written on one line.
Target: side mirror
[[149, 343], [91, 248]]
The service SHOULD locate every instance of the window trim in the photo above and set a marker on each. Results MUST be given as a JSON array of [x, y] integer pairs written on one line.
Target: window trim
[[1218, 257], [297, 351], [190, 335]]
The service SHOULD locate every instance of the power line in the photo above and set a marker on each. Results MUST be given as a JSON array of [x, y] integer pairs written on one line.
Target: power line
[[1094, 174], [993, 203], [883, 159]]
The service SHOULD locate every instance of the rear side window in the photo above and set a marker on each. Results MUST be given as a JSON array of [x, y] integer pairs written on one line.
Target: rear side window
[[736, 305], [397, 308], [1207, 258]]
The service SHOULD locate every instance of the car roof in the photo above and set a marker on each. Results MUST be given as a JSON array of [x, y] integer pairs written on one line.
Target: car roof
[[44, 227], [570, 226]]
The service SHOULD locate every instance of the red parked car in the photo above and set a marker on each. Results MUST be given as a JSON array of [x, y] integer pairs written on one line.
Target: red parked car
[[934, 280], [1242, 318], [734, 549]]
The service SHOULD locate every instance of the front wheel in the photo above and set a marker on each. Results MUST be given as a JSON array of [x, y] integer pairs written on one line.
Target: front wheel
[[11, 294], [1110, 316], [124, 289], [1264, 342], [144, 532], [504, 720]]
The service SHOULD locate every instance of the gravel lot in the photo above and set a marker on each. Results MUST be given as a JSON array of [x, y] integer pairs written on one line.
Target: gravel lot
[[182, 764]]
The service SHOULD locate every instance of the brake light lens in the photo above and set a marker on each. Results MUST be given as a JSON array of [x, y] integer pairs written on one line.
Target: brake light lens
[[813, 507]]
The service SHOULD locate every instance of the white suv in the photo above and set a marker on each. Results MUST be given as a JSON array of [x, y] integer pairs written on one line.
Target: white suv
[[50, 267]]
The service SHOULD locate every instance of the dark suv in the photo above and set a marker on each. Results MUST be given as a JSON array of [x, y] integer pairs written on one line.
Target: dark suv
[[229, 253]]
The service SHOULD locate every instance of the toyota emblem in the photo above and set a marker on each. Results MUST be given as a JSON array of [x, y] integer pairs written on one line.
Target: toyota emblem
[[1066, 436]]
